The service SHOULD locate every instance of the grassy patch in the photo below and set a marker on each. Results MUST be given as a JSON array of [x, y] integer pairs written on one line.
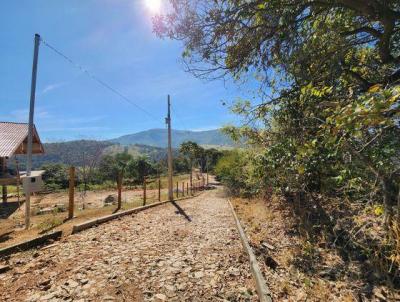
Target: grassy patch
[[49, 223]]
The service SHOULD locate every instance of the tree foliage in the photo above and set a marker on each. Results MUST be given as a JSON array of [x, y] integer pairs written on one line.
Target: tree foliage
[[134, 168], [327, 74], [196, 155], [55, 176]]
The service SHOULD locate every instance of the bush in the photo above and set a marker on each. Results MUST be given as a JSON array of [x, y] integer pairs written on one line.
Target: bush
[[55, 176], [231, 170]]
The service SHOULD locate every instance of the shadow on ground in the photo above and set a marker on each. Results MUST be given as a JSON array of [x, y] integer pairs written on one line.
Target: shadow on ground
[[181, 211], [8, 208]]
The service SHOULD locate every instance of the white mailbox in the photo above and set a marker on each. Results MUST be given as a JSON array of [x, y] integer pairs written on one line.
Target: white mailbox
[[34, 183]]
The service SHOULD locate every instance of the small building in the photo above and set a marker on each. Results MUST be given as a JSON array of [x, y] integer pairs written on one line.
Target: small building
[[14, 141]]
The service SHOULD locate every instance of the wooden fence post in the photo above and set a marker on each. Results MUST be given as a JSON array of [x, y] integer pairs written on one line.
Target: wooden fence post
[[187, 189], [144, 191], [4, 172], [159, 189], [183, 188], [177, 189], [119, 187], [71, 192]]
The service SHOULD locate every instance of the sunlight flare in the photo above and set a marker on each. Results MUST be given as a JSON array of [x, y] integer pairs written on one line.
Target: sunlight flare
[[154, 6]]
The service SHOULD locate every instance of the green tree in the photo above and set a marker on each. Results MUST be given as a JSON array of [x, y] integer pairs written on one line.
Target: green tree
[[55, 176], [327, 74], [192, 151], [209, 158], [295, 40], [326, 121], [111, 165], [140, 167], [231, 170], [181, 164]]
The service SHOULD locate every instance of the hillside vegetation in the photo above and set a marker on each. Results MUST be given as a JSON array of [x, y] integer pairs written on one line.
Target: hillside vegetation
[[98, 164], [76, 153], [151, 143], [158, 138]]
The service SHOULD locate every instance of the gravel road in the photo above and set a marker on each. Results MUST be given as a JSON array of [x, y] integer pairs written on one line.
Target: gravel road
[[155, 255]]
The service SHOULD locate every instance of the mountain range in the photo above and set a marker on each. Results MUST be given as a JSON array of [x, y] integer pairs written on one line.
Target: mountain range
[[158, 138], [151, 143]]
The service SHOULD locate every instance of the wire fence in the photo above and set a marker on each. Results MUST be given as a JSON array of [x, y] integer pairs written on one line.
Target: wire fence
[[55, 208]]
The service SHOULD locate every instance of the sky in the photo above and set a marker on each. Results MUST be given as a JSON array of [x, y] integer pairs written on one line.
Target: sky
[[113, 40]]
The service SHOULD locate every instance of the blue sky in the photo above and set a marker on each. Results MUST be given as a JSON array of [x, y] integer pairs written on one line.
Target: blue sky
[[113, 39]]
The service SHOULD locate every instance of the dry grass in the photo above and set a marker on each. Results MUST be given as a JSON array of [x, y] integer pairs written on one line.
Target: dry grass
[[12, 229], [257, 217], [299, 262]]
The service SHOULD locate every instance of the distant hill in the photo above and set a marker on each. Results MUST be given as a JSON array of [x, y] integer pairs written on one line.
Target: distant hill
[[74, 153], [151, 143], [86, 152], [158, 138], [154, 153]]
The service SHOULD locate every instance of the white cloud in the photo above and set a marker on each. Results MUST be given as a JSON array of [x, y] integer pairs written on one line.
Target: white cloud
[[22, 115], [51, 123], [51, 87], [75, 129], [206, 128]]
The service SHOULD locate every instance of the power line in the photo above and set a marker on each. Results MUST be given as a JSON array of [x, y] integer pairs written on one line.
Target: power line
[[179, 119], [93, 77]]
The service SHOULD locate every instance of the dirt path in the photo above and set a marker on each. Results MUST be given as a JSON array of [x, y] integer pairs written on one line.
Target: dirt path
[[156, 255]]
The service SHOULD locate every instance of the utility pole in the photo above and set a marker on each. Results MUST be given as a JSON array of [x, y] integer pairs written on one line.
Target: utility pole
[[30, 132], [170, 168]]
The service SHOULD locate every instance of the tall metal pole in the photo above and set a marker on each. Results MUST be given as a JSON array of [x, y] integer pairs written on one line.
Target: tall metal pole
[[170, 168], [30, 131]]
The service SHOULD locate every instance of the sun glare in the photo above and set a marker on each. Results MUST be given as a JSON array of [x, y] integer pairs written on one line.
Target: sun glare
[[154, 6]]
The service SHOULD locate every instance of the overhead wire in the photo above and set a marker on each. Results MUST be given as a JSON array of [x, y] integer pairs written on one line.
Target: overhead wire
[[95, 78], [180, 120]]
